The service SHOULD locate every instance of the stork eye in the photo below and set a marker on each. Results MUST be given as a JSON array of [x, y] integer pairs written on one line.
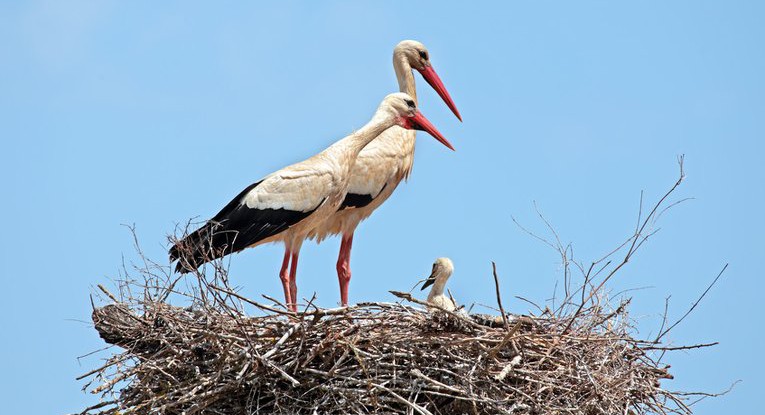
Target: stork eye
[[410, 103], [423, 54]]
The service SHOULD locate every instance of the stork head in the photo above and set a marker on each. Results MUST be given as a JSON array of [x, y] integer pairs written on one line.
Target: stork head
[[442, 270], [417, 56], [405, 113]]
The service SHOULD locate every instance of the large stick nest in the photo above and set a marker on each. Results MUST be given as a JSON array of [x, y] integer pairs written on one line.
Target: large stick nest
[[374, 358]]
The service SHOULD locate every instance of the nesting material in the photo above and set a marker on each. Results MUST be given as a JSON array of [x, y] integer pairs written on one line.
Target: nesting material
[[372, 358]]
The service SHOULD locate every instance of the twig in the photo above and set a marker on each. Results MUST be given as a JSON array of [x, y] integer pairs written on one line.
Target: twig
[[499, 296], [662, 334], [108, 294], [637, 241], [668, 348]]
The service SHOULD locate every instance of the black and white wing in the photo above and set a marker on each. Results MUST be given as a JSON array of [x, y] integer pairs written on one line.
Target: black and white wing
[[262, 210]]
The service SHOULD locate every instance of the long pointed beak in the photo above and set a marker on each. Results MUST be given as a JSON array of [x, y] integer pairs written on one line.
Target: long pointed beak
[[419, 122], [431, 279], [432, 78]]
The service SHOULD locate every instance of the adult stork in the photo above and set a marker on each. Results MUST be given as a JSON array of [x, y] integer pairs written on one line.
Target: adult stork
[[383, 164], [288, 203]]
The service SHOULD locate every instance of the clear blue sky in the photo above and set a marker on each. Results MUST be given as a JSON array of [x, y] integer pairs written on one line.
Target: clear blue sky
[[148, 113]]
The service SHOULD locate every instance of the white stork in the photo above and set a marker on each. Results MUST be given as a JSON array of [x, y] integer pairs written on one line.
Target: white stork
[[383, 164], [442, 270], [285, 205]]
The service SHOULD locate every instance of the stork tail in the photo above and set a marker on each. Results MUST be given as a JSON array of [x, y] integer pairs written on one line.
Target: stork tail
[[202, 246]]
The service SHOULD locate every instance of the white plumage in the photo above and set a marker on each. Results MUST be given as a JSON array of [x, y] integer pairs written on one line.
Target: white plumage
[[299, 187]]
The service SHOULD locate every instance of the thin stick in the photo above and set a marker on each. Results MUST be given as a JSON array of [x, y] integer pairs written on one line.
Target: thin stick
[[694, 304], [695, 346], [499, 297], [108, 294]]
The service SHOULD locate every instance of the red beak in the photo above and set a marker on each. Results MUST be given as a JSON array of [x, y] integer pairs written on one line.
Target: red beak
[[432, 78], [419, 122]]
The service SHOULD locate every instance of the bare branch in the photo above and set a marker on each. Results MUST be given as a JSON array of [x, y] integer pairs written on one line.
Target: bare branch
[[499, 296], [696, 303]]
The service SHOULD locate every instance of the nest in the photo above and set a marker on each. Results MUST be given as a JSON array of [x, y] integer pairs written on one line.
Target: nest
[[222, 353], [372, 358]]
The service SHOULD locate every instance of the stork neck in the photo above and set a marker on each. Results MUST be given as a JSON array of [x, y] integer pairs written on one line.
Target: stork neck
[[438, 287], [364, 135], [405, 76]]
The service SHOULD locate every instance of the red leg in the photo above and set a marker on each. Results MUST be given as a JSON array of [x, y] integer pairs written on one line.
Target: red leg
[[293, 279], [284, 276], [344, 267]]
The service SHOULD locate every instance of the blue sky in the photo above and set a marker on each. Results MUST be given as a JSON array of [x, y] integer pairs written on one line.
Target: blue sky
[[137, 112]]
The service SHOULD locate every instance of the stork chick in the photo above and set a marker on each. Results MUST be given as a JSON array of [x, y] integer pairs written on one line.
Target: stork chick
[[442, 270]]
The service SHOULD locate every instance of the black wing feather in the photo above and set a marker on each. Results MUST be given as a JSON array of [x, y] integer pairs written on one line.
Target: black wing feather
[[234, 228], [357, 200]]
